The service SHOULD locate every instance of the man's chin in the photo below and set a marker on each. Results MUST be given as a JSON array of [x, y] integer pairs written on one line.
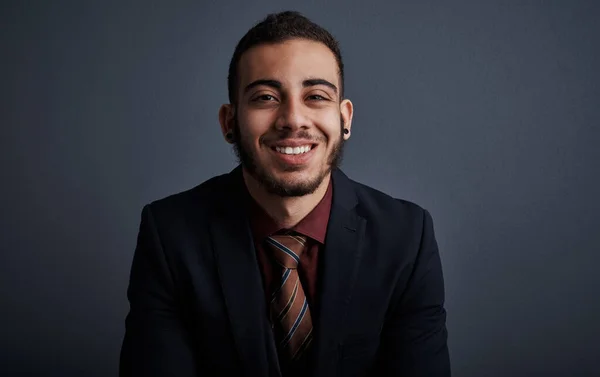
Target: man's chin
[[295, 176], [288, 184]]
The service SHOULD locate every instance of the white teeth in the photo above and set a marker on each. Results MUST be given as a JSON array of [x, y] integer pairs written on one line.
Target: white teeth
[[295, 150]]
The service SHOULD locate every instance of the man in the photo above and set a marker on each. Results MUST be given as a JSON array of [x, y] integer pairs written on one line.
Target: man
[[285, 266]]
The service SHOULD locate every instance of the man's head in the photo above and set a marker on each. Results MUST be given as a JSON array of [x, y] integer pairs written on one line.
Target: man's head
[[287, 114]]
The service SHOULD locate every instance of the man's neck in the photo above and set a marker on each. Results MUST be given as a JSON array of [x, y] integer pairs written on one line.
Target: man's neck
[[286, 211]]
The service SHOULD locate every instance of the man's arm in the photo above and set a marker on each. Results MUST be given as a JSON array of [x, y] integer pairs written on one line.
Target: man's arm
[[155, 342], [414, 338]]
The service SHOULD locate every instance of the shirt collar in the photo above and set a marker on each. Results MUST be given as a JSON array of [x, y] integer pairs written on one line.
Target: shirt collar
[[313, 225]]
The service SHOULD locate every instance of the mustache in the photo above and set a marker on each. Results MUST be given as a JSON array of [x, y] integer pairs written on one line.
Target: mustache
[[287, 134]]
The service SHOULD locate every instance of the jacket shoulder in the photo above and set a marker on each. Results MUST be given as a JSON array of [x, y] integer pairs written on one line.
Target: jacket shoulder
[[202, 197], [374, 200]]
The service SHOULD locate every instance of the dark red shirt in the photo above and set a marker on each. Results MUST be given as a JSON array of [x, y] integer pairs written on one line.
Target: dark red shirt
[[314, 226]]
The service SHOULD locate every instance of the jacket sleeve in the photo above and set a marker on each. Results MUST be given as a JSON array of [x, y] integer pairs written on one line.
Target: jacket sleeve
[[155, 342], [414, 338]]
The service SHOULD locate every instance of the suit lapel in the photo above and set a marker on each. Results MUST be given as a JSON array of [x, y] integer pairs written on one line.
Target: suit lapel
[[242, 285], [339, 269], [241, 281]]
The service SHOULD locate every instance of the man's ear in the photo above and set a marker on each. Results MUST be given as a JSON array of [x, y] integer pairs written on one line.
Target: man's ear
[[226, 118], [347, 111]]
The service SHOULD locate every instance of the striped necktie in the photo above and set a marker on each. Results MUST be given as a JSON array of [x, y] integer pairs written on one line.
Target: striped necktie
[[289, 308]]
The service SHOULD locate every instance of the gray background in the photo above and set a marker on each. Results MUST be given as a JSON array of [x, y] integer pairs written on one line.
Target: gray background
[[485, 113]]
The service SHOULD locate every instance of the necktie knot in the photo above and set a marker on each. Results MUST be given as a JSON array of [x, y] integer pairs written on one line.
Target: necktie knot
[[287, 248]]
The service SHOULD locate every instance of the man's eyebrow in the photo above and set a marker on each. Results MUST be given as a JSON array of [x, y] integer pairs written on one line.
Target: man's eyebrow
[[277, 84], [266, 82], [314, 82]]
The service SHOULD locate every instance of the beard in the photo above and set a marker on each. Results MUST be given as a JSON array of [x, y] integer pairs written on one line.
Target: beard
[[278, 186]]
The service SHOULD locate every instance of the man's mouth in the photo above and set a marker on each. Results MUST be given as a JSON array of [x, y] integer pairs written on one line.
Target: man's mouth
[[296, 150]]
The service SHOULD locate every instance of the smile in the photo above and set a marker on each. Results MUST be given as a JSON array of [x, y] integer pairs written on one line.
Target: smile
[[294, 150], [294, 153]]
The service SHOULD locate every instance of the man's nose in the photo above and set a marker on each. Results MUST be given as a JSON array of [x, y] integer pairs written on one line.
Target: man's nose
[[292, 115]]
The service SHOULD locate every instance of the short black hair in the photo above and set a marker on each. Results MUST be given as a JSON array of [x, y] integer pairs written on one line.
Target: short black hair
[[277, 28]]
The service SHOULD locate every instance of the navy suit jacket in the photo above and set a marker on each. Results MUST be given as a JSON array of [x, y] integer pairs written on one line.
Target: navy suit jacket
[[197, 304]]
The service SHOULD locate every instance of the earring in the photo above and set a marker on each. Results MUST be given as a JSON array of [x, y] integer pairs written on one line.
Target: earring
[[346, 131], [229, 136]]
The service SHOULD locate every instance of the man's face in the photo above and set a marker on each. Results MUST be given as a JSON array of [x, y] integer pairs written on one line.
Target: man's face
[[288, 122]]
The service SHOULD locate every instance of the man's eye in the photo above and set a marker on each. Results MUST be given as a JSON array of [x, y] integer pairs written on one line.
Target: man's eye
[[265, 97], [316, 97]]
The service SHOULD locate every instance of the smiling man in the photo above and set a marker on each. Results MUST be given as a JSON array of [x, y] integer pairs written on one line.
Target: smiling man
[[285, 266]]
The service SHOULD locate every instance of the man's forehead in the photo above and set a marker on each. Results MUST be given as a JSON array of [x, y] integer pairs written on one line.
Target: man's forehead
[[293, 61]]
